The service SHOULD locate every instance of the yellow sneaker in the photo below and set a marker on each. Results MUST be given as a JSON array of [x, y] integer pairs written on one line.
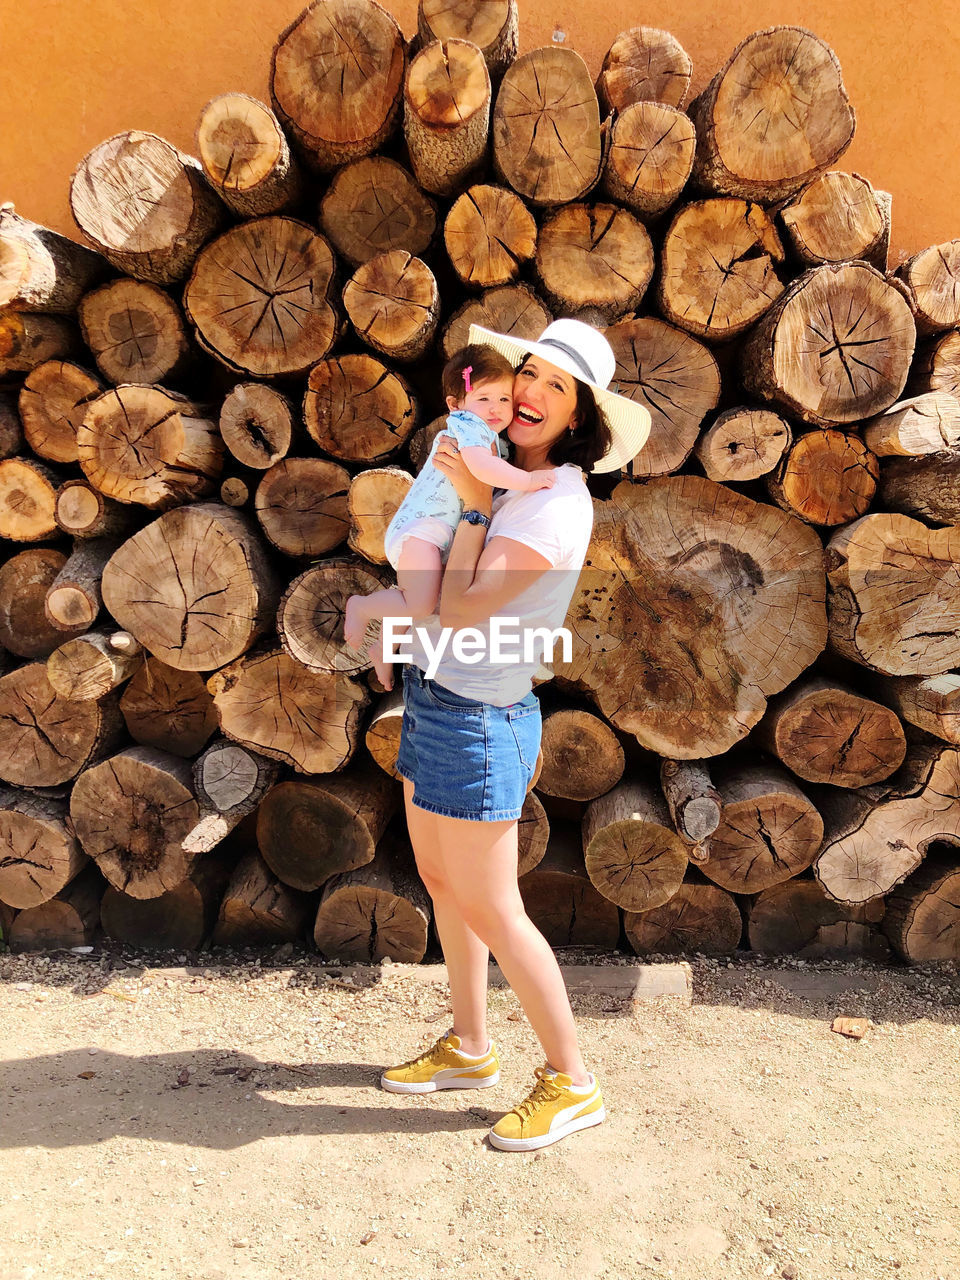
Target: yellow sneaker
[[550, 1112], [443, 1067]]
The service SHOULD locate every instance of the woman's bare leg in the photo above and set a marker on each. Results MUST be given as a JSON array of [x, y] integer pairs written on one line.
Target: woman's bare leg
[[465, 955], [478, 869]]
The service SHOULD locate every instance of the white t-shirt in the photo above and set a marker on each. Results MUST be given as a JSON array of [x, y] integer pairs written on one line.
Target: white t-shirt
[[557, 523]]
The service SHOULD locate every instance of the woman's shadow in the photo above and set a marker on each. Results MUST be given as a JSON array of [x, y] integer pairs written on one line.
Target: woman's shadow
[[201, 1097]]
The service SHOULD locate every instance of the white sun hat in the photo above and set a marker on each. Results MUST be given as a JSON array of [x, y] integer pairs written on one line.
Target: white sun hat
[[582, 351]]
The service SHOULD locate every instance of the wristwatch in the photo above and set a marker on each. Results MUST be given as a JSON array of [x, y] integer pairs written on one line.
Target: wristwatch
[[476, 517]]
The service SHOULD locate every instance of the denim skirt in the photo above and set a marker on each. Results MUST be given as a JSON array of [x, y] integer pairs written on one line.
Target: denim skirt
[[466, 759]]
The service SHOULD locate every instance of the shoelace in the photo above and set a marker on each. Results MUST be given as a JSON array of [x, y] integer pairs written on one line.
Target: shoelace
[[543, 1091], [425, 1057]]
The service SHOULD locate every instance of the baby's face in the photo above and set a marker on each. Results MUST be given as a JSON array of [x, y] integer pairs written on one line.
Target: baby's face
[[491, 401]]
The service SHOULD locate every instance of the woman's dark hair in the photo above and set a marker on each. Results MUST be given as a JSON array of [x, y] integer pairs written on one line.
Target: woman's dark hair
[[589, 440]]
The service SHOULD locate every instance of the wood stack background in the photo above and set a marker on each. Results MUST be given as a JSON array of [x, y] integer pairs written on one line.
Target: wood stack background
[[208, 416]]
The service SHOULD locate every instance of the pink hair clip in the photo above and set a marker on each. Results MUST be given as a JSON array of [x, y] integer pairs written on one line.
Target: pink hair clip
[[466, 377]]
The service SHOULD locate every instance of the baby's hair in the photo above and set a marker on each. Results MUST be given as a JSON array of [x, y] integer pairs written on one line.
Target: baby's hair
[[478, 363]]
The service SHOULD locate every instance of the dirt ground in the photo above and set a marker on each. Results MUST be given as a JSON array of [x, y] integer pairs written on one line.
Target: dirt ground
[[222, 1121]]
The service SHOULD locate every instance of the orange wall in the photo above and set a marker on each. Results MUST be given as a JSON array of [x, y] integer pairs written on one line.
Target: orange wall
[[76, 71]]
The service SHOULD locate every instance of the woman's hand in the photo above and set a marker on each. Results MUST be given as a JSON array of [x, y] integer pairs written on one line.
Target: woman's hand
[[473, 493]]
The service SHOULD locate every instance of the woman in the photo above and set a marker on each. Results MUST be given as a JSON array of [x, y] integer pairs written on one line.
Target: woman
[[471, 734]]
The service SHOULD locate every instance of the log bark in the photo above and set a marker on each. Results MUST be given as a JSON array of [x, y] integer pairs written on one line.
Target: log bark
[[913, 428], [826, 733], [335, 78], [27, 500], [926, 487], [89, 666], [181, 918], [84, 512], [893, 603], [168, 709], [393, 304], [27, 338], [301, 504], [422, 440], [512, 309], [834, 348], [39, 854], [256, 423], [546, 128], [876, 836], [74, 600], [490, 235], [204, 589], [149, 446], [776, 115], [533, 833], [46, 740], [24, 581], [769, 830], [838, 217], [229, 782], [68, 920], [41, 270], [11, 430], [358, 410], [378, 911], [632, 854], [595, 258], [695, 606], [273, 704], [644, 64], [491, 26], [675, 378], [258, 909], [932, 278], [561, 901], [922, 919], [797, 918], [135, 332], [743, 444], [132, 813], [582, 758], [825, 478], [53, 401], [373, 206], [260, 298], [694, 803], [246, 156], [937, 366], [311, 829], [382, 734], [719, 267], [446, 115], [311, 613], [372, 502], [932, 703], [650, 159], [144, 205], [699, 918]]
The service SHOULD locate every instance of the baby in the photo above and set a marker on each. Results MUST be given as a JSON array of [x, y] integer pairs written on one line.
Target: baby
[[478, 386]]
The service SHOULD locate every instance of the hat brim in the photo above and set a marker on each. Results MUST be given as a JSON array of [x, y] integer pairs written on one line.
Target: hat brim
[[629, 423]]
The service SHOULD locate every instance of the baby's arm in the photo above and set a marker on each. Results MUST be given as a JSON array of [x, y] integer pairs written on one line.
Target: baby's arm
[[501, 474]]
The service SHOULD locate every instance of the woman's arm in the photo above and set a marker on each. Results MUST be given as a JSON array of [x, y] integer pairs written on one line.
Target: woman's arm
[[480, 579]]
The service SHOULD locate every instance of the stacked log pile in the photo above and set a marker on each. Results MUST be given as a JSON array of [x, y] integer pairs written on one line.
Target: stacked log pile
[[211, 409]]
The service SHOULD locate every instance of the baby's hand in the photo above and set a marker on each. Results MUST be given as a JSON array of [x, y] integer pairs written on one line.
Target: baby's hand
[[542, 480]]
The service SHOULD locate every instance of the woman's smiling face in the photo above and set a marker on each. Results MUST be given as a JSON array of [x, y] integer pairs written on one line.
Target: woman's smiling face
[[544, 404]]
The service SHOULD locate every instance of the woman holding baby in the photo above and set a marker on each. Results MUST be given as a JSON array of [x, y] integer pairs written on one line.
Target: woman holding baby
[[471, 734]]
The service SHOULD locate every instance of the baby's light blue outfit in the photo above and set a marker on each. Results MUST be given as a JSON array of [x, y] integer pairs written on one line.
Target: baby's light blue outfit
[[431, 510]]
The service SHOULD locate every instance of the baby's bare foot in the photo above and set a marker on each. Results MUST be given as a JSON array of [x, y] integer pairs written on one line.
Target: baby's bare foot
[[355, 621], [383, 669]]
